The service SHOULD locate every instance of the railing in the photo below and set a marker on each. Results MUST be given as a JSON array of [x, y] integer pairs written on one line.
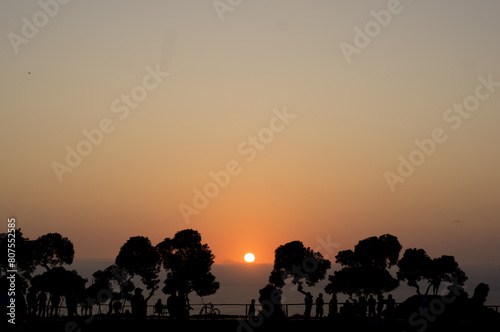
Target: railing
[[496, 307], [285, 306]]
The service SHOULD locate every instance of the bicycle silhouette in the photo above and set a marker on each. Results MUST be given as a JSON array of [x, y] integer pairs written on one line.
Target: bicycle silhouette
[[209, 309]]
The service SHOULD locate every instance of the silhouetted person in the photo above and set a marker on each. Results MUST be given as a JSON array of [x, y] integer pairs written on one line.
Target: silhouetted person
[[251, 310], [435, 287], [480, 294], [173, 305], [380, 305], [184, 306], [347, 309], [308, 301], [319, 306], [42, 304], [31, 301], [332, 306], [478, 316], [55, 300], [139, 304], [71, 304], [362, 306], [159, 308], [371, 306], [117, 307], [390, 304], [85, 309], [355, 308]]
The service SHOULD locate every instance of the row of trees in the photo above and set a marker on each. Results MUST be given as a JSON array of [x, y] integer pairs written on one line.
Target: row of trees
[[185, 259], [365, 270], [187, 263]]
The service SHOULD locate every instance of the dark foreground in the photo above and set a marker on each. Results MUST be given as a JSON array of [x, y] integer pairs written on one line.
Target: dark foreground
[[105, 324]]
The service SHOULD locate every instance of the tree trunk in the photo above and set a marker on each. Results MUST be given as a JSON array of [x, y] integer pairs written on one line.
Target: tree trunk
[[428, 288]]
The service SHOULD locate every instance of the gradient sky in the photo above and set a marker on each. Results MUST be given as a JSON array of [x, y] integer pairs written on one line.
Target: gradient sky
[[321, 177]]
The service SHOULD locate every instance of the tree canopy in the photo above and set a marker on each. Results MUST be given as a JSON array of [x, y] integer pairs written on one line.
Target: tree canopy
[[49, 250], [138, 257], [365, 270], [188, 263], [60, 281], [294, 260], [416, 266]]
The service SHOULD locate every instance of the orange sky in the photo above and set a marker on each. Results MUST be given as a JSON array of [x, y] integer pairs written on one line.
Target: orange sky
[[319, 174]]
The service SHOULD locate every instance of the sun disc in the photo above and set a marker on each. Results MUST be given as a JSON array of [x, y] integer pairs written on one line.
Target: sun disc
[[249, 258]]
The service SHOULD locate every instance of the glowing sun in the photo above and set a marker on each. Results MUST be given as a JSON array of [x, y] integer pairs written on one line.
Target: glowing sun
[[249, 257]]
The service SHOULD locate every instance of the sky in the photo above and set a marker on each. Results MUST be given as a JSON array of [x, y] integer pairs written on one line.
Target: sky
[[256, 123]]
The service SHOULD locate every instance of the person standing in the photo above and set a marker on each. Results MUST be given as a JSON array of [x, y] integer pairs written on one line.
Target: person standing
[[159, 308], [42, 304], [372, 303], [319, 306], [32, 302], [55, 300], [251, 310], [332, 306], [173, 305], [308, 300], [380, 305]]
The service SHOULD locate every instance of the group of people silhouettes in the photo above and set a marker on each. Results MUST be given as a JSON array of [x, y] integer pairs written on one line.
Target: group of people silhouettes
[[370, 307], [177, 306], [38, 304], [308, 300]]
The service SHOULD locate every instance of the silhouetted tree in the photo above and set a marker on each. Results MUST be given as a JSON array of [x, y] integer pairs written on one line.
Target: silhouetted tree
[[117, 283], [414, 266], [445, 269], [301, 263], [365, 270], [59, 280], [24, 250], [52, 250], [188, 263], [138, 257], [48, 250]]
